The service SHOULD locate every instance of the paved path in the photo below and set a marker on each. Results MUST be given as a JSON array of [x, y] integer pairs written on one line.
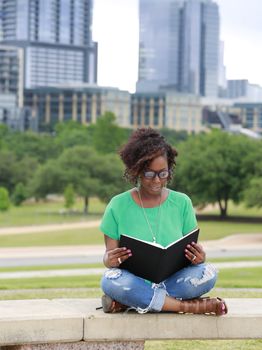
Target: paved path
[[100, 271]]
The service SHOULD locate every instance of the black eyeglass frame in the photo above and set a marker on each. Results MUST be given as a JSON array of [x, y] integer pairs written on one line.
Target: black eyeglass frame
[[156, 173]]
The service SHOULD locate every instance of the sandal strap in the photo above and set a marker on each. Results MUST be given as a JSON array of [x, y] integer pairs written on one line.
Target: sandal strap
[[207, 305]]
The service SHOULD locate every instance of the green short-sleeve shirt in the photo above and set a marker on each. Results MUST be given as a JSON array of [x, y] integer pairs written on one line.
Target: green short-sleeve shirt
[[174, 219]]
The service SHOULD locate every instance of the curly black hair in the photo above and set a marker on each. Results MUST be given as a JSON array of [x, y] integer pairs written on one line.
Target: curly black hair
[[143, 146]]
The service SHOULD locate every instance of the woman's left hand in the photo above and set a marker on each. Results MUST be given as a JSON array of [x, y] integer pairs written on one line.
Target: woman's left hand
[[194, 252]]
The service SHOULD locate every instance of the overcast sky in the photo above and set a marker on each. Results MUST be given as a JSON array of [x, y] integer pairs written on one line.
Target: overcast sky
[[115, 27]]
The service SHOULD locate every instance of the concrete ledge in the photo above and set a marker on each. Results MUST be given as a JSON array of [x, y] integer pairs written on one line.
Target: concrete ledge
[[39, 321], [77, 321]]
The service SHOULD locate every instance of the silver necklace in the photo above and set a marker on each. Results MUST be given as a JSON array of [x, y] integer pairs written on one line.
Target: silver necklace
[[157, 217]]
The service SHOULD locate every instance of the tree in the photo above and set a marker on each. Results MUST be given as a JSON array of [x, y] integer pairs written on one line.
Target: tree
[[71, 134], [24, 169], [14, 171], [69, 195], [4, 199], [20, 194], [4, 133], [7, 169], [47, 179], [89, 173], [39, 146], [253, 193], [174, 137], [210, 168], [252, 165], [107, 135]]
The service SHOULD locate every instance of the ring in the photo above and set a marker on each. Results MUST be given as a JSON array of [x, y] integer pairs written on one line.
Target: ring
[[119, 260], [193, 258]]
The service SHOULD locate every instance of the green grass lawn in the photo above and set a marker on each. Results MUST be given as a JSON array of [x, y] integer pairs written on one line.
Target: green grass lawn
[[235, 278], [51, 267], [234, 210], [209, 230], [100, 265], [240, 278], [233, 259], [215, 230], [49, 212], [51, 282], [204, 345], [50, 293], [86, 236], [89, 286], [96, 292]]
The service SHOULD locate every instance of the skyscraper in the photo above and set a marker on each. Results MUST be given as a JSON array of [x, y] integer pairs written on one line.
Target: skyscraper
[[179, 46], [55, 36]]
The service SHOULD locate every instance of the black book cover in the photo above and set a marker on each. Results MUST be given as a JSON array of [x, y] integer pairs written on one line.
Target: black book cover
[[154, 262]]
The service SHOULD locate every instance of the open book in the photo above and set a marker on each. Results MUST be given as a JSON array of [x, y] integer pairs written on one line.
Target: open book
[[154, 262]]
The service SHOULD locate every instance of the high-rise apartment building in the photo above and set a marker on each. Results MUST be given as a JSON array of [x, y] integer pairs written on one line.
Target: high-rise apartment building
[[179, 46], [55, 36], [12, 73]]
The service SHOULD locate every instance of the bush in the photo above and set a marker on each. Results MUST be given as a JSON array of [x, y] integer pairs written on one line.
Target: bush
[[69, 195], [4, 199], [19, 194]]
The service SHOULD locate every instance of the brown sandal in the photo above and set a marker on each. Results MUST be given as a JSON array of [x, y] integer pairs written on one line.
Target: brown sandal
[[213, 306], [111, 306]]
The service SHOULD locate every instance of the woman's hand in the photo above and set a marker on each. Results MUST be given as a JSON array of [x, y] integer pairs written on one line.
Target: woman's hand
[[194, 252], [116, 256]]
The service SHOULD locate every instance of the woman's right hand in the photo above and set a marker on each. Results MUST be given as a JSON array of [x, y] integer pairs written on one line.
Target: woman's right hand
[[115, 257]]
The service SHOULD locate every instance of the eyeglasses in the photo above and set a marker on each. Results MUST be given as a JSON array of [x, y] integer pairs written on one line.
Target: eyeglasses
[[150, 174]]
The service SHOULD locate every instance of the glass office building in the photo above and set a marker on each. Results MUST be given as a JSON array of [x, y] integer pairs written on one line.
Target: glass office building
[[179, 46], [55, 36]]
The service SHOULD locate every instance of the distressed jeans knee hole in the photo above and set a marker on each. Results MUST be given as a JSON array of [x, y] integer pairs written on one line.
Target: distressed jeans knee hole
[[113, 273]]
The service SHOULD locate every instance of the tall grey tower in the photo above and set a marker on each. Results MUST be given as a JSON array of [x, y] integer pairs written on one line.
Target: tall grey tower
[[179, 46], [55, 36]]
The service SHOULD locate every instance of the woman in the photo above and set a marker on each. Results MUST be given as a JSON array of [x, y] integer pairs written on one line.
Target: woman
[[151, 212]]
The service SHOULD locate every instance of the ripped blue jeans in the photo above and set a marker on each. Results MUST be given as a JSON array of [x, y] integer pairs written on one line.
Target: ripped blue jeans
[[143, 296]]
